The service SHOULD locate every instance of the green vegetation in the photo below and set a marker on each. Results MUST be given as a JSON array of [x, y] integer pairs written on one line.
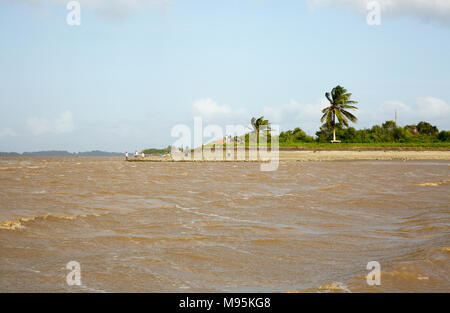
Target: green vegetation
[[294, 136], [153, 151], [386, 135], [259, 123], [388, 132], [422, 135], [444, 136], [368, 146]]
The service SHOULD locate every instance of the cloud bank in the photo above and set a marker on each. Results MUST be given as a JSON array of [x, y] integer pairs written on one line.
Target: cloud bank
[[426, 10], [7, 132], [429, 109], [62, 124], [123, 6], [211, 111], [111, 8], [296, 114], [307, 115]]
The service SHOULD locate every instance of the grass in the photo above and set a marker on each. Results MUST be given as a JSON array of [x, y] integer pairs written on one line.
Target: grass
[[345, 145], [359, 146]]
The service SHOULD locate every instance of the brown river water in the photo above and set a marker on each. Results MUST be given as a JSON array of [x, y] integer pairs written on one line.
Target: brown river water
[[223, 227]]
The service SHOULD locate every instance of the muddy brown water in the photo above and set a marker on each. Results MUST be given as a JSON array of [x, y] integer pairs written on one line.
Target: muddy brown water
[[223, 227]]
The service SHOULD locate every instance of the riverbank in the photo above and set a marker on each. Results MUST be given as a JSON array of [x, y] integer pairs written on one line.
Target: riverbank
[[431, 146], [326, 155], [348, 155], [410, 146]]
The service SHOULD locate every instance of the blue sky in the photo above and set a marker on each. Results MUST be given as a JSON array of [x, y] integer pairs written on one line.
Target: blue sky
[[134, 69]]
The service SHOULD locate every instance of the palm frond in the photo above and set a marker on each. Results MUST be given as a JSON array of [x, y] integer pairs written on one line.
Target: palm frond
[[346, 106], [329, 117], [341, 118], [327, 95], [350, 116]]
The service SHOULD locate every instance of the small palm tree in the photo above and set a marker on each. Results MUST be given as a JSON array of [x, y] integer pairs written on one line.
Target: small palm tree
[[340, 103], [257, 123]]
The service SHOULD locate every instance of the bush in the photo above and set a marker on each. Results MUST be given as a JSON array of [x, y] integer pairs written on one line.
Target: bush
[[297, 135], [388, 132], [444, 135], [425, 128]]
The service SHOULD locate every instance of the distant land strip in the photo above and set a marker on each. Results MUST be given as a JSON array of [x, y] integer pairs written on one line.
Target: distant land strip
[[55, 153]]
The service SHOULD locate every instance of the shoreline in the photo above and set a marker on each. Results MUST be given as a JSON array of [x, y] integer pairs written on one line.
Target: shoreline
[[327, 155]]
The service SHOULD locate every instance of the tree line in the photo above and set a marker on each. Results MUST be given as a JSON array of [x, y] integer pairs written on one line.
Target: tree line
[[387, 132], [337, 116]]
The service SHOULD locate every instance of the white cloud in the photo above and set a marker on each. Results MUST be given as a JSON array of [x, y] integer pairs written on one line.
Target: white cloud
[[7, 132], [62, 124], [294, 111], [123, 6], [208, 108], [422, 9], [307, 116], [290, 115], [106, 7], [294, 114], [212, 111], [430, 109]]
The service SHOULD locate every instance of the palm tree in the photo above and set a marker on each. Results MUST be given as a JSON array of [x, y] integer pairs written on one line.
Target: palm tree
[[257, 123], [340, 103]]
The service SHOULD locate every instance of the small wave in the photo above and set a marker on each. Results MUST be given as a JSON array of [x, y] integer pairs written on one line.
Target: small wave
[[11, 225], [267, 241], [142, 239], [18, 224], [410, 276], [434, 184], [90, 289], [334, 287], [332, 187]]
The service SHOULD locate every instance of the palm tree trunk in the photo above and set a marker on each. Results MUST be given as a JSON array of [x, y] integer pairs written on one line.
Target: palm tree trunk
[[334, 127], [257, 144]]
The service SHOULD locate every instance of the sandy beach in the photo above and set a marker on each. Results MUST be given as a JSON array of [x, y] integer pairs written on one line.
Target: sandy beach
[[362, 155], [327, 155]]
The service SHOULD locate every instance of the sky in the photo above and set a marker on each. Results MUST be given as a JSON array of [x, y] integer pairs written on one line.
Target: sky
[[134, 69]]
